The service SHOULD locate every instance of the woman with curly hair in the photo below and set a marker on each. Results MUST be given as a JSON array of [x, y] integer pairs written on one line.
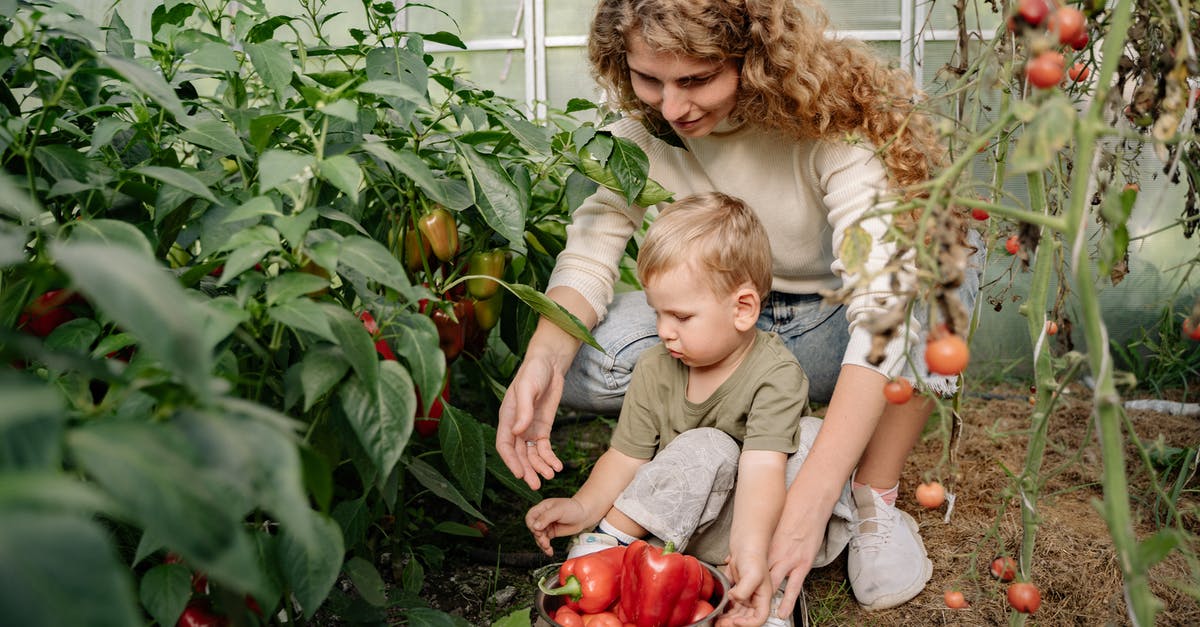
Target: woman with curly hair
[[753, 99]]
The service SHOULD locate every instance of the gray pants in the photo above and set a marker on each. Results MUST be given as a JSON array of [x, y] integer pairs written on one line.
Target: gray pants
[[685, 494]]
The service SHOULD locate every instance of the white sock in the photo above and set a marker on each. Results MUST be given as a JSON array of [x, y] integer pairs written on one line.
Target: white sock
[[621, 536]]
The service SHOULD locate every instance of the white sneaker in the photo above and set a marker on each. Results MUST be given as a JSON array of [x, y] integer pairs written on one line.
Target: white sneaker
[[587, 543], [887, 563]]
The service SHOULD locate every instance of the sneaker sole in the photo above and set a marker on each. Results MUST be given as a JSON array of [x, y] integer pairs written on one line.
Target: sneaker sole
[[904, 596]]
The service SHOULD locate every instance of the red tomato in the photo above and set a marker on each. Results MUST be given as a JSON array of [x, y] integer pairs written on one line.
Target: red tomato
[[1191, 329], [1051, 327], [568, 617], [1079, 72], [931, 495], [980, 214], [1046, 69], [1080, 42], [898, 391], [947, 355], [1004, 568], [602, 619], [1069, 24], [1024, 597], [1012, 244], [954, 599], [1032, 11]]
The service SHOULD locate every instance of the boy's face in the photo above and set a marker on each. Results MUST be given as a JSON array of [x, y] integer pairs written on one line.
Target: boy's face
[[695, 325]]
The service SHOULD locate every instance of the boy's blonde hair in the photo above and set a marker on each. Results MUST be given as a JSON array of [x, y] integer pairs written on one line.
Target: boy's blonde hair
[[718, 235]]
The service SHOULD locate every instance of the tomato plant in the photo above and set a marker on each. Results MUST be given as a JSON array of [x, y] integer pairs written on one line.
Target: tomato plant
[[931, 495], [1012, 244], [1024, 597], [1003, 568], [898, 391]]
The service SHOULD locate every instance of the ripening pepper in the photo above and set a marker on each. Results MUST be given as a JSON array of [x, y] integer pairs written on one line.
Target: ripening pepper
[[440, 230], [590, 582], [488, 263], [659, 587], [487, 311], [372, 327], [409, 247]]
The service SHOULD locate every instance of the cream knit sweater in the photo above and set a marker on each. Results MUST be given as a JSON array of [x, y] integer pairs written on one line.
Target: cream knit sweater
[[806, 194]]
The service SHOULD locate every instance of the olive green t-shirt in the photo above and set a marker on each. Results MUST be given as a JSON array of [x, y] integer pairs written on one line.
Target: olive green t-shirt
[[759, 405]]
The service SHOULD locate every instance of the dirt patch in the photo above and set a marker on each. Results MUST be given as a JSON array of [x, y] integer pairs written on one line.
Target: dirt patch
[[1074, 564]]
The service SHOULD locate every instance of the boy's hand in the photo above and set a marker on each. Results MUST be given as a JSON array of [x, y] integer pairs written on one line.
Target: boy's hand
[[750, 596], [554, 518]]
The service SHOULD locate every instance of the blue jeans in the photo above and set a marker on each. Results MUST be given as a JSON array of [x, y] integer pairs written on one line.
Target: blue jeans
[[816, 333]]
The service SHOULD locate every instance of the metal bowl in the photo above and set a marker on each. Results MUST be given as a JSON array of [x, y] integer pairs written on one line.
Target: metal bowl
[[545, 605]]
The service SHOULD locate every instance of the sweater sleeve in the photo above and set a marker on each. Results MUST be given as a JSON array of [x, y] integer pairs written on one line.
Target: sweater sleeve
[[597, 235], [855, 187]]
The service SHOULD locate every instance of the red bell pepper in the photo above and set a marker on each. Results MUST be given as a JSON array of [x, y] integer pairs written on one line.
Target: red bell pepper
[[567, 617], [372, 327], [659, 587], [602, 619], [590, 582]]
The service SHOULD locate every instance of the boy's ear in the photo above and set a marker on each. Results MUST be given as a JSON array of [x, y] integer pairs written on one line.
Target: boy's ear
[[747, 305]]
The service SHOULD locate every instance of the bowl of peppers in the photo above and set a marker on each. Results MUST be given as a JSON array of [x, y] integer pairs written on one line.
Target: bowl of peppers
[[640, 584]]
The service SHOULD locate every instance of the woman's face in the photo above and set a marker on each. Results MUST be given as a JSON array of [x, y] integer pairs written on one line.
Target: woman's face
[[693, 95]]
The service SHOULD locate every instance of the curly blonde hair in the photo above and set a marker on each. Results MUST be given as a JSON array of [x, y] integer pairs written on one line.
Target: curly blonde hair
[[718, 235], [793, 77]]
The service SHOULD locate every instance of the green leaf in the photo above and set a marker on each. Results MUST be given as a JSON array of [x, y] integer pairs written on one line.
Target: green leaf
[[304, 315], [277, 167], [553, 312], [374, 261], [112, 232], [118, 39], [61, 569], [381, 415], [580, 104], [15, 202], [1155, 548], [855, 248], [462, 443], [366, 580], [445, 38], [415, 338], [157, 473], [321, 369], [500, 471], [215, 56], [148, 82], [415, 168], [145, 301], [433, 480], [1044, 137], [290, 285], [178, 178], [12, 248], [165, 591], [652, 193], [535, 138], [630, 165], [344, 109], [31, 425], [256, 207], [392, 89], [498, 198], [76, 336], [63, 162], [429, 617], [356, 343], [343, 173], [273, 63], [214, 134], [311, 570], [43, 491]]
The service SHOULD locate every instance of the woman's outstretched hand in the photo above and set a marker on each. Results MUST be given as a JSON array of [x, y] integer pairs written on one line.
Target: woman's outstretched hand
[[526, 417]]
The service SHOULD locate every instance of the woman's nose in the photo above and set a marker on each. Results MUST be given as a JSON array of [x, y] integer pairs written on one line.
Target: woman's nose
[[675, 103]]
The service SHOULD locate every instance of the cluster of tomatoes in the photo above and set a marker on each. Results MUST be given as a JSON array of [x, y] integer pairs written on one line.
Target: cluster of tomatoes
[[946, 353], [1055, 27], [1022, 596]]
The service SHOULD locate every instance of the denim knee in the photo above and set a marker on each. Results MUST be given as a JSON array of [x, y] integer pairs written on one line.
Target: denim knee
[[596, 381]]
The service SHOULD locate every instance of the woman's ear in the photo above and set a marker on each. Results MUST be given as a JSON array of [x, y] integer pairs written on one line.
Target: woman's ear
[[747, 304]]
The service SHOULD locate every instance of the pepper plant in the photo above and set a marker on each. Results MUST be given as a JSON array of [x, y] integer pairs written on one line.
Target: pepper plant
[[238, 265]]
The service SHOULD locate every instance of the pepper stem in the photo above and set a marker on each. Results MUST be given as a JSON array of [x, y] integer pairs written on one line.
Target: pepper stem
[[571, 588], [669, 547]]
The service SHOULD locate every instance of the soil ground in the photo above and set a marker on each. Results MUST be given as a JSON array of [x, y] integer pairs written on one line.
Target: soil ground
[[1074, 564]]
